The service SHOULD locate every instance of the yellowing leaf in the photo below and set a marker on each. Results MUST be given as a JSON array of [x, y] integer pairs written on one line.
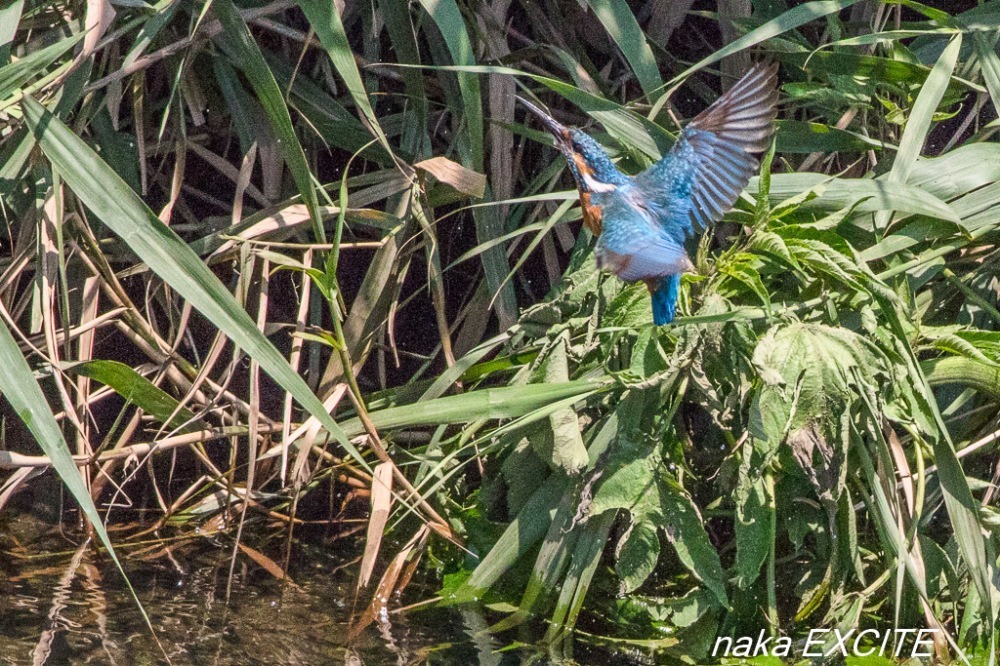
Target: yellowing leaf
[[454, 175]]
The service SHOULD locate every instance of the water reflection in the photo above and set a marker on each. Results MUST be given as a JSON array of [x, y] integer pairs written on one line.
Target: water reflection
[[65, 604], [72, 607]]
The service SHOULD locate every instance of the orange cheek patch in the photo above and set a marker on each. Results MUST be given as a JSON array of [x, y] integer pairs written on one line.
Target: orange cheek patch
[[591, 214]]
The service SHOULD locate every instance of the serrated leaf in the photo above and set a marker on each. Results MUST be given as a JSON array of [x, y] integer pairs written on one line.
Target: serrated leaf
[[685, 529], [755, 518], [809, 373]]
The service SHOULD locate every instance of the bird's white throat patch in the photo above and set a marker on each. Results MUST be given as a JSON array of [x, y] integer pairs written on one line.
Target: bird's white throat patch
[[595, 185]]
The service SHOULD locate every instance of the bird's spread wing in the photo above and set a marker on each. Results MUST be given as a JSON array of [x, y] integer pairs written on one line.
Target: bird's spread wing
[[708, 167]]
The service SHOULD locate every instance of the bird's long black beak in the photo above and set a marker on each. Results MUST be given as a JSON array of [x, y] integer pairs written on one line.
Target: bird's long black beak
[[558, 130]]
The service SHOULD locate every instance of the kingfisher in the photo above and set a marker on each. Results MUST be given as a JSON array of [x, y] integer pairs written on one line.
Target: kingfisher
[[642, 222]]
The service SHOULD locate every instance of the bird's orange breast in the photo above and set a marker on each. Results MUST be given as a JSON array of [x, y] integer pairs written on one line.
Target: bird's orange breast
[[591, 214]]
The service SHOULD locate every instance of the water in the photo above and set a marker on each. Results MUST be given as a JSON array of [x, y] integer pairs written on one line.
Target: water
[[68, 605]]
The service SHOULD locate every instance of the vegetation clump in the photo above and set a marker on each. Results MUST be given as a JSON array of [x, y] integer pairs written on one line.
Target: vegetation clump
[[256, 256]]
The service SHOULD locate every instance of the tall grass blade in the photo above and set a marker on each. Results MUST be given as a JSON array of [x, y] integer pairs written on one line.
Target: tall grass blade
[[247, 56], [919, 123], [325, 20], [793, 18], [621, 24]]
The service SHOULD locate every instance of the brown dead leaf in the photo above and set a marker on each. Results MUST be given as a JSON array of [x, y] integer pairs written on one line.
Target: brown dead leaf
[[388, 585], [454, 175], [381, 503], [269, 565]]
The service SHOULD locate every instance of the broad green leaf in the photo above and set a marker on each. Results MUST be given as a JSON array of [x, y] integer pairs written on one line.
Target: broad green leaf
[[10, 17], [812, 375], [562, 444], [637, 554], [957, 172], [755, 516], [685, 529], [643, 487], [867, 195], [806, 372]]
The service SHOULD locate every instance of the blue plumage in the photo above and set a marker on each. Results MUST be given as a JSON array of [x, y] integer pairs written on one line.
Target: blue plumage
[[644, 221], [664, 298]]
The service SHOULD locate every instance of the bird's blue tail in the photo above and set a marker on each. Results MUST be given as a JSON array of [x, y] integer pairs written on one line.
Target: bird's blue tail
[[665, 299]]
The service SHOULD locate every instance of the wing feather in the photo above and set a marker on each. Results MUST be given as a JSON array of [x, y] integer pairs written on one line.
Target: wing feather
[[708, 167]]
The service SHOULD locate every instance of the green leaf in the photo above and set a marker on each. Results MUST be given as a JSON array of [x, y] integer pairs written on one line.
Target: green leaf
[[685, 529], [17, 73], [448, 18], [796, 136], [496, 403], [638, 552], [989, 64], [325, 20], [562, 446], [919, 122], [523, 533], [138, 390], [969, 372], [809, 385], [793, 18], [755, 519], [618, 19], [640, 485], [867, 195], [806, 369]]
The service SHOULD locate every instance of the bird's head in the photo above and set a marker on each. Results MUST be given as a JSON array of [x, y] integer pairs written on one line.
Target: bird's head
[[591, 166]]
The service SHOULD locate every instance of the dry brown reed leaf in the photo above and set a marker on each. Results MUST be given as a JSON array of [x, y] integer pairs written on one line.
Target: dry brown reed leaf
[[100, 14], [269, 565], [453, 174], [294, 359], [280, 224], [388, 585], [381, 498]]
